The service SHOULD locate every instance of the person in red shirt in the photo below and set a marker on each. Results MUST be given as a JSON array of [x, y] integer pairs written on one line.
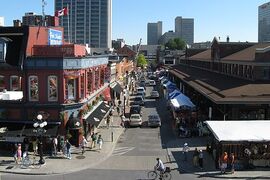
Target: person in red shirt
[[223, 160]]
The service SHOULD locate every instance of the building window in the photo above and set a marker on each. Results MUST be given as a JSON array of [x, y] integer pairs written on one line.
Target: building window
[[33, 88], [71, 89], [52, 88], [82, 86], [2, 83], [15, 83]]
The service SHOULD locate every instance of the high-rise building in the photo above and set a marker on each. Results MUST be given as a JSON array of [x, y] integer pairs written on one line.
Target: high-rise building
[[154, 32], [87, 22], [264, 23], [32, 19], [184, 29], [2, 23]]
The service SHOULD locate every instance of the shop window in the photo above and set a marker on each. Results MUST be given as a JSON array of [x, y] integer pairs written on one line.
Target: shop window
[[71, 89], [52, 88], [15, 83], [33, 88], [2, 83]]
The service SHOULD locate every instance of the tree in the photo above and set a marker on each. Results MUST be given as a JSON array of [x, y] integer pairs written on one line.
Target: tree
[[141, 61], [175, 43]]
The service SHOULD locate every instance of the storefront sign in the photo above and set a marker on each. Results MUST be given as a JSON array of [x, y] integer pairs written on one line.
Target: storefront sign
[[54, 37]]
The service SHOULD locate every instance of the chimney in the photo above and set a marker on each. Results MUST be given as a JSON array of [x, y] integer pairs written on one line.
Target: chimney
[[17, 23], [228, 39]]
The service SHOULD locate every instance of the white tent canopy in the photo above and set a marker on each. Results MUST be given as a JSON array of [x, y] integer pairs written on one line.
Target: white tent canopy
[[182, 100], [252, 131]]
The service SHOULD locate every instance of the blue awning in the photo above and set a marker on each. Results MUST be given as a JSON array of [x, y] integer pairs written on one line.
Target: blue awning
[[182, 101]]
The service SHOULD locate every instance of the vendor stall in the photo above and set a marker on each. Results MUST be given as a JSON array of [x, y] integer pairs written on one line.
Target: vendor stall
[[248, 140]]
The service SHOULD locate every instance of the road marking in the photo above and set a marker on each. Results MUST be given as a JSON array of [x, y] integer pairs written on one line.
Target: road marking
[[121, 150]]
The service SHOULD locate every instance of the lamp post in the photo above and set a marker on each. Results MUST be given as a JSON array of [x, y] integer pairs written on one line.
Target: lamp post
[[39, 129], [125, 104]]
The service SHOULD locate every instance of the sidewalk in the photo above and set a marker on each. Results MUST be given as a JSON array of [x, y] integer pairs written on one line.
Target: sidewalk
[[59, 164], [175, 156]]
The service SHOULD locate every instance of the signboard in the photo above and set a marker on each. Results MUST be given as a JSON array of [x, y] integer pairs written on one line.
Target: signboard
[[54, 37]]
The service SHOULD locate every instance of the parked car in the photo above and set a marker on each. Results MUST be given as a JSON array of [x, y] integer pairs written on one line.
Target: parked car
[[141, 94], [138, 100], [154, 94], [152, 82], [154, 120], [135, 120], [135, 109], [141, 89]]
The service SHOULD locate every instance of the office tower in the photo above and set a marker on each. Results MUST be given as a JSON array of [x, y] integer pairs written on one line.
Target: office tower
[[32, 19], [184, 29], [264, 23], [87, 22], [154, 32]]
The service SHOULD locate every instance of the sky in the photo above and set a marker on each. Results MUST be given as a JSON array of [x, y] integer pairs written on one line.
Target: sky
[[237, 19]]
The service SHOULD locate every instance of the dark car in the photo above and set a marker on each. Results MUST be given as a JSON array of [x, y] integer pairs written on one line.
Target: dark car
[[135, 109]]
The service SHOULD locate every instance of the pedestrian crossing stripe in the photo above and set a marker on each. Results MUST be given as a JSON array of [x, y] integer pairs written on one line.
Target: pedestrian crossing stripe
[[121, 150]]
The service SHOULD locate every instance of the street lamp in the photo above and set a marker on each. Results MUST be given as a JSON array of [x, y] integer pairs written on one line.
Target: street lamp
[[39, 125]]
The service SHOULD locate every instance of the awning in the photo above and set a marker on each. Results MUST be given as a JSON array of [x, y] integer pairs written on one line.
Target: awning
[[117, 87], [98, 114], [182, 101], [235, 131]]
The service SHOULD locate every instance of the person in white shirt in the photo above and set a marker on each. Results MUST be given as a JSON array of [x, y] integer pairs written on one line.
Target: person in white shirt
[[185, 151], [160, 166]]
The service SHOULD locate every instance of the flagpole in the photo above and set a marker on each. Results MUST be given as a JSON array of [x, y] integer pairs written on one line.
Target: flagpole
[[68, 23]]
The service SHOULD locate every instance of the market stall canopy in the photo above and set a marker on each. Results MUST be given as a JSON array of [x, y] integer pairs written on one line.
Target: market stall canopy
[[98, 114], [182, 101], [174, 94], [232, 131]]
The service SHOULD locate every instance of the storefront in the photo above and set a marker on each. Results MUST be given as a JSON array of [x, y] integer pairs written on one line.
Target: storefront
[[248, 140]]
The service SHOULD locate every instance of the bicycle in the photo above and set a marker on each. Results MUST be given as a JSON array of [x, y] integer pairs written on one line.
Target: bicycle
[[166, 175], [27, 162]]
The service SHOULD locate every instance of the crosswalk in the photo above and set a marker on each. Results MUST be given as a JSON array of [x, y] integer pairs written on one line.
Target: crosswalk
[[118, 151]]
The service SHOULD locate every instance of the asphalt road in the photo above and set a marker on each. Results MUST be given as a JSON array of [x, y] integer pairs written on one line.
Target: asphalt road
[[134, 155]]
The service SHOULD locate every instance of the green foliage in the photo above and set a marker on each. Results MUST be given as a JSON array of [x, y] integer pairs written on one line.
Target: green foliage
[[141, 61], [175, 44]]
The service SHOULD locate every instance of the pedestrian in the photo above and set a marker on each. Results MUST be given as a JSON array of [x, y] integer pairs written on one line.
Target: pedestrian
[[201, 159], [108, 120], [18, 154], [231, 162], [195, 157], [26, 145], [68, 147], [83, 144], [62, 146], [55, 144], [100, 142], [94, 139], [223, 160], [185, 151], [118, 110], [35, 146]]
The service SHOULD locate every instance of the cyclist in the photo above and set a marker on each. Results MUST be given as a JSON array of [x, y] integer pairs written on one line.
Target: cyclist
[[160, 166]]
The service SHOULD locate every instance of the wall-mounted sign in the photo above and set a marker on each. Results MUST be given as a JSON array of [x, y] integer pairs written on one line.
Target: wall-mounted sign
[[54, 37]]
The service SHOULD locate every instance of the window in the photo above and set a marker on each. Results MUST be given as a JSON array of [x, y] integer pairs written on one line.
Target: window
[[15, 83], [52, 88], [33, 88], [71, 89], [2, 83]]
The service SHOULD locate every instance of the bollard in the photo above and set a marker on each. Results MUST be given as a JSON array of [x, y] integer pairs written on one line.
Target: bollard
[[112, 136]]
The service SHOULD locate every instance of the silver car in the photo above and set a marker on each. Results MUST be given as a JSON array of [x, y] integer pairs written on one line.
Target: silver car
[[154, 120], [135, 120]]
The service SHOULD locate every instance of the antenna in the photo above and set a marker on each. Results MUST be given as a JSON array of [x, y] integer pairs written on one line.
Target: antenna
[[44, 3]]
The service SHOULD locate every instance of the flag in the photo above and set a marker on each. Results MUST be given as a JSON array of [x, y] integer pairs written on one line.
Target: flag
[[62, 12]]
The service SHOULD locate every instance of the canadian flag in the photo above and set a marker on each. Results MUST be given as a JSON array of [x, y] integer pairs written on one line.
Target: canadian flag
[[62, 12]]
